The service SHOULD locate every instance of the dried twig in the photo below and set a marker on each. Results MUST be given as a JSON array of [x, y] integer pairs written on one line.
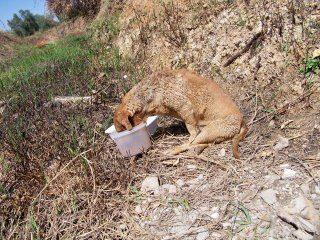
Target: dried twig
[[244, 50]]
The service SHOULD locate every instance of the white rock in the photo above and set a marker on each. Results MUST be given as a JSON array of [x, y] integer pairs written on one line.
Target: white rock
[[317, 190], [191, 167], [192, 216], [166, 238], [203, 235], [180, 229], [150, 184], [215, 235], [269, 196], [214, 213], [196, 180], [226, 225], [138, 209], [299, 203], [271, 123], [303, 207], [288, 173], [302, 235], [178, 210], [305, 188], [281, 144], [306, 225], [123, 226], [222, 152], [272, 177], [285, 165], [180, 182], [170, 188], [200, 177]]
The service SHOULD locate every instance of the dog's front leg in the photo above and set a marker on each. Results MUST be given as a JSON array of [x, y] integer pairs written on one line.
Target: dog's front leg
[[193, 130]]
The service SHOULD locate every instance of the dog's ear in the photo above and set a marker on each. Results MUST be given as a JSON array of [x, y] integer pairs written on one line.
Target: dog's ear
[[121, 119]]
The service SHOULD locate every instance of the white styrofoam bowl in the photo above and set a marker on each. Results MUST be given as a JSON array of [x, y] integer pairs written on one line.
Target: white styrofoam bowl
[[135, 141]]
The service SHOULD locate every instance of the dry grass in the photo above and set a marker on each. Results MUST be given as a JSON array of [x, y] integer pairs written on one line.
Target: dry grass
[[7, 41], [69, 9]]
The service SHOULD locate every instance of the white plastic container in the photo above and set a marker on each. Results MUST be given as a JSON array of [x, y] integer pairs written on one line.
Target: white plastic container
[[135, 141], [152, 124]]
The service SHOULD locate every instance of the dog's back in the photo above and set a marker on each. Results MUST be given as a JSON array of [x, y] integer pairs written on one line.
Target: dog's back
[[184, 89]]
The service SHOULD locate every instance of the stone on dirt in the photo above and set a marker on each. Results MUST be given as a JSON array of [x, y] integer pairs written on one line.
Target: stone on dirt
[[203, 235], [150, 184], [269, 196], [138, 209], [305, 188], [288, 173], [180, 182], [222, 153], [303, 207], [191, 167], [302, 235], [214, 213], [169, 188], [281, 144]]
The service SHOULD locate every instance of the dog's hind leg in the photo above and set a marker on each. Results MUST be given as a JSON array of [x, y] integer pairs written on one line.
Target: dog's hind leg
[[217, 131]]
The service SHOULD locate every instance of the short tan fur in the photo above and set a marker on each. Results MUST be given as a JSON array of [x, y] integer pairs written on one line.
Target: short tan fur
[[210, 115]]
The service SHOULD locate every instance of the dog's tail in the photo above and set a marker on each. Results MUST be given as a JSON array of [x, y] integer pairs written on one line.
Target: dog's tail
[[238, 138]]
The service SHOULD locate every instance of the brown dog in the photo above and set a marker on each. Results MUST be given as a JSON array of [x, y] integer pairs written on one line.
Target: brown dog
[[210, 114]]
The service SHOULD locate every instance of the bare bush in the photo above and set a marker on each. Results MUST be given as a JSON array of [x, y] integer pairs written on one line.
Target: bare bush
[[172, 29], [71, 8]]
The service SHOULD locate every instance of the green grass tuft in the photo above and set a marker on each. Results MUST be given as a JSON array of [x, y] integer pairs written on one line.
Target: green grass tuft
[[54, 69]]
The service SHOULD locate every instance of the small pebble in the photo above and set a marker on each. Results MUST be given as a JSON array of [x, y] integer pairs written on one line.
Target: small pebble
[[269, 196], [281, 144], [180, 182], [170, 188], [305, 188], [150, 183], [138, 209], [288, 173], [203, 235], [222, 153], [191, 167]]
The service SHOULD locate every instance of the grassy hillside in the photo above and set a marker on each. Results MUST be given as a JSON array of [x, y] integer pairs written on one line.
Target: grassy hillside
[[38, 134]]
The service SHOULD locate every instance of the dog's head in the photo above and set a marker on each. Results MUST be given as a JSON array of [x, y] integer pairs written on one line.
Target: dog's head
[[126, 120]]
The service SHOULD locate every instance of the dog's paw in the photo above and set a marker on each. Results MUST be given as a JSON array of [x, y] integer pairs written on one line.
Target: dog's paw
[[177, 150]]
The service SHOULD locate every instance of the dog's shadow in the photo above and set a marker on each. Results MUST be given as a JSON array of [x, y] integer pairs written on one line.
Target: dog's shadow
[[176, 128]]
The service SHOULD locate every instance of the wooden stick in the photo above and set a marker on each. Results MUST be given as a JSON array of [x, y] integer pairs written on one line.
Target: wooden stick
[[64, 100], [244, 50]]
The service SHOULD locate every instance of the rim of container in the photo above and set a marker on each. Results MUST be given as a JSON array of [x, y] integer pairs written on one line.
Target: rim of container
[[128, 132]]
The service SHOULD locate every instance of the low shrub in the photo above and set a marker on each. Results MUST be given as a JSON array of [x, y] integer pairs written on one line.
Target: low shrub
[[68, 9]]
